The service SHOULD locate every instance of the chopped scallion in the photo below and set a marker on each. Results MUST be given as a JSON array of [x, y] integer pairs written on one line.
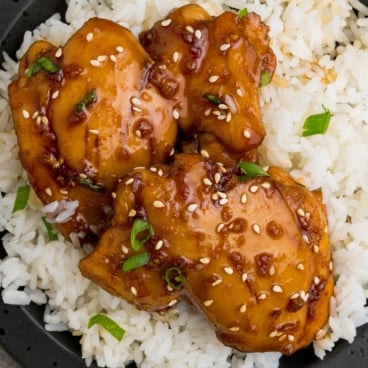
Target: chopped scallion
[[88, 183], [21, 198], [317, 124], [265, 78], [108, 324], [43, 63], [140, 234], [135, 261], [213, 98], [50, 229], [89, 98], [174, 277], [251, 170], [242, 12]]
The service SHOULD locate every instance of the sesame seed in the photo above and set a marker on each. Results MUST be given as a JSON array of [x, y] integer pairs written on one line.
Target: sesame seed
[[223, 201], [290, 337], [48, 191], [207, 181], [208, 302], [228, 270], [133, 290], [198, 34], [113, 58], [243, 198], [129, 181], [217, 282], [272, 270], [223, 106], [294, 296], [228, 117], [217, 178], [234, 329], [159, 244], [158, 204], [204, 153], [113, 195], [330, 266], [192, 207], [26, 114], [300, 266], [254, 188], [173, 302], [243, 308], [316, 249], [35, 114], [262, 296], [95, 63], [38, 120], [244, 276], [58, 52], [189, 29], [273, 334], [124, 249], [300, 212], [160, 172], [266, 185], [136, 101], [136, 109], [172, 152], [63, 191], [216, 112], [89, 37], [166, 22], [207, 112], [221, 117], [246, 133], [132, 213], [215, 196], [213, 78], [153, 169], [176, 114], [205, 260], [282, 337], [169, 288], [277, 289], [45, 120], [138, 133], [219, 227], [93, 131], [316, 280], [224, 46], [175, 56], [306, 239], [119, 49], [239, 92], [256, 228]]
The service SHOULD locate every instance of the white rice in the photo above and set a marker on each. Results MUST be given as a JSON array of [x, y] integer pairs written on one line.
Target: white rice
[[305, 34]]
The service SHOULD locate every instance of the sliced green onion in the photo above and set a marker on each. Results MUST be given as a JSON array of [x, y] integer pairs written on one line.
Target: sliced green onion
[[43, 63], [50, 230], [88, 183], [89, 98], [21, 198], [174, 277], [135, 261], [251, 170], [242, 12], [213, 98], [108, 324], [317, 124], [265, 78], [140, 234]]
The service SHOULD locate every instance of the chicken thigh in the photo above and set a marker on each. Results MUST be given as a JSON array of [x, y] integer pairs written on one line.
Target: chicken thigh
[[261, 242]]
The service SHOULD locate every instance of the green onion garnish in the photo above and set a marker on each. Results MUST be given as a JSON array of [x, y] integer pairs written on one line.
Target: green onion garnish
[[88, 183], [135, 261], [174, 277], [212, 98], [43, 63], [140, 234], [108, 324], [317, 124], [251, 170], [265, 78], [89, 98], [242, 12], [50, 230], [21, 198]]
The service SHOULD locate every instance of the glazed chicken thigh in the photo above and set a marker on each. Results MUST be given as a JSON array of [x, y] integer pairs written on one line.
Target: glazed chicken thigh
[[85, 115], [216, 63], [261, 242]]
